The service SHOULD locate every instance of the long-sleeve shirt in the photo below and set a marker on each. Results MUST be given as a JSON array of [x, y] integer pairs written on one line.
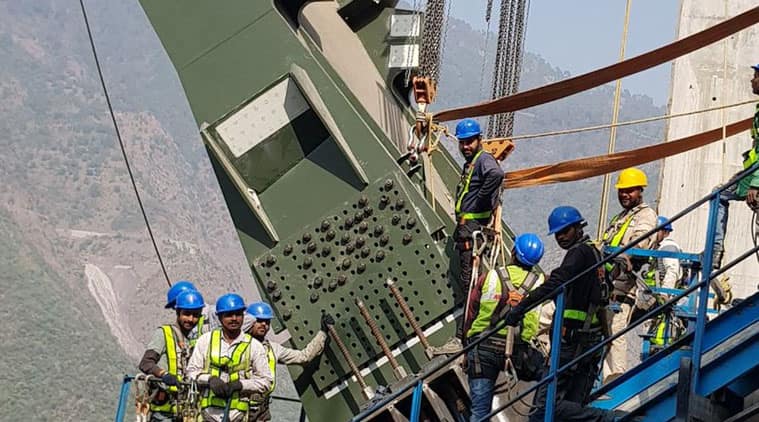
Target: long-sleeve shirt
[[157, 344], [751, 180], [669, 269], [484, 187], [288, 356], [258, 379], [581, 293], [643, 220]]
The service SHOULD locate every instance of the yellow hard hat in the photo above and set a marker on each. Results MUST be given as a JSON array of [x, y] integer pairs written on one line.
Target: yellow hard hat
[[630, 178]]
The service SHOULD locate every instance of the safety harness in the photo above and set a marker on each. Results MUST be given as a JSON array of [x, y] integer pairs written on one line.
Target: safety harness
[[177, 355], [236, 366], [466, 180]]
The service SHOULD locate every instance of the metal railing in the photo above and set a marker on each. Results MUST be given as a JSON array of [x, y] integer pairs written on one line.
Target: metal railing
[[558, 294]]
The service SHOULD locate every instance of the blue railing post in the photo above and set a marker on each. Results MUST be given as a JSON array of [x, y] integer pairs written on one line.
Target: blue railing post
[[555, 352], [416, 402], [123, 397], [703, 294]]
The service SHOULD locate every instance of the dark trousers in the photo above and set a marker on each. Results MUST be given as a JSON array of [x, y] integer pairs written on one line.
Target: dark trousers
[[462, 238], [573, 387]]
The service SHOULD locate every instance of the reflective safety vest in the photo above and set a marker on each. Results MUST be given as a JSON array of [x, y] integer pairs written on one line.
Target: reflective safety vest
[[173, 348], [579, 316], [463, 189], [659, 335], [236, 366], [272, 360], [617, 238], [650, 276], [492, 294], [200, 331]]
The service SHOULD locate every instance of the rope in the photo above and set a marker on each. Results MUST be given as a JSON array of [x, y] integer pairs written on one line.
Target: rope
[[121, 141], [626, 123]]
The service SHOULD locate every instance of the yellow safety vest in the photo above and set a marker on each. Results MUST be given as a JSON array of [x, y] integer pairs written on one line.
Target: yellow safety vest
[[272, 360], [237, 367], [194, 340], [659, 335], [172, 347], [491, 295], [617, 238], [465, 189]]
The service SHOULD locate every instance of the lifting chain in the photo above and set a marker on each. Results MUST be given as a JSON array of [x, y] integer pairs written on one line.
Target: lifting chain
[[429, 56]]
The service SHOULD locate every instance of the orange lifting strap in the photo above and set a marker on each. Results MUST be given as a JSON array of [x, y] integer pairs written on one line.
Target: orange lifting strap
[[500, 148]]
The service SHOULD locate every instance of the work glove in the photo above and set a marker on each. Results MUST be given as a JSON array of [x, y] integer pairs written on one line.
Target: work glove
[[218, 387], [327, 321], [234, 387], [752, 198], [513, 318], [169, 379]]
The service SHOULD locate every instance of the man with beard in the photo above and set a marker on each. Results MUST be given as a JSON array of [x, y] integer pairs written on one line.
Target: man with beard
[[257, 323], [581, 327], [231, 363], [168, 351]]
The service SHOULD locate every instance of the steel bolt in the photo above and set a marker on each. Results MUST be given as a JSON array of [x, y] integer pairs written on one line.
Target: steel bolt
[[360, 242], [363, 201], [288, 249], [368, 211], [346, 263], [379, 256], [384, 200], [407, 239], [306, 237], [361, 267], [363, 227], [330, 235], [276, 295], [332, 286], [307, 262], [378, 230], [311, 247], [345, 239], [314, 297], [325, 225], [326, 250], [341, 279], [388, 184], [384, 239], [349, 248], [271, 285], [399, 204], [317, 282], [411, 222], [271, 260], [358, 216], [348, 222], [396, 219], [365, 252], [287, 314]]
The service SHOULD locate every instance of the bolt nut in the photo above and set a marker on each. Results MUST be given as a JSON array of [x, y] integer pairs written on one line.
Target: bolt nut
[[287, 314], [288, 249], [346, 263], [342, 279], [363, 227], [358, 216], [276, 295], [349, 248], [330, 235], [363, 201], [384, 200], [317, 282], [361, 267], [326, 250], [306, 237], [314, 297], [399, 204], [348, 222], [388, 184], [332, 286], [307, 262], [407, 239], [368, 211], [396, 219], [325, 225], [411, 222], [271, 285], [271, 260], [365, 252], [384, 239], [379, 256], [379, 229], [360, 242], [345, 239], [311, 247]]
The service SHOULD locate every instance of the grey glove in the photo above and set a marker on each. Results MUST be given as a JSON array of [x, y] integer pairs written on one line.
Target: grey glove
[[218, 387], [234, 386]]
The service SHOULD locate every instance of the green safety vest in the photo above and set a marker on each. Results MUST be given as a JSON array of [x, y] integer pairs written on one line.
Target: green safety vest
[[172, 346], [237, 367], [272, 360], [617, 238], [579, 316], [491, 295], [463, 190], [650, 276]]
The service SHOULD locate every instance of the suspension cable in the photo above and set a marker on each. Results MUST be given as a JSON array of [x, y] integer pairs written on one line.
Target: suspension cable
[[121, 141], [627, 123]]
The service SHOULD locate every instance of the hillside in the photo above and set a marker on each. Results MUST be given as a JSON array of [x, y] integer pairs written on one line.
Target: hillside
[[77, 263]]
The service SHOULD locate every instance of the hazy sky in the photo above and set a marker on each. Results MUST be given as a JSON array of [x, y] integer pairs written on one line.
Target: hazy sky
[[582, 35]]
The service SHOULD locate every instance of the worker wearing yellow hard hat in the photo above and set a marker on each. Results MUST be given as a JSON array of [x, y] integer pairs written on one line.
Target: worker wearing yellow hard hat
[[635, 219]]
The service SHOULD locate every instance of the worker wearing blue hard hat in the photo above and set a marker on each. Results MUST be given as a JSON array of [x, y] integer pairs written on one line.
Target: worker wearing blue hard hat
[[491, 297], [168, 349], [258, 318], [582, 326], [230, 364], [478, 194]]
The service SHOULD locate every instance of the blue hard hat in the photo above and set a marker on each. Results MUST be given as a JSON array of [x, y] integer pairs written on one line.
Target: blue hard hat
[[468, 128], [260, 310], [528, 249], [175, 289], [661, 220], [229, 302], [755, 67], [563, 217], [189, 300]]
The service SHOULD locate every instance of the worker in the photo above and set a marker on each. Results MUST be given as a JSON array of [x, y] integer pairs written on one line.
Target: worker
[[230, 364], [581, 323], [168, 351], [491, 297], [477, 197], [635, 220], [257, 323], [747, 189], [204, 323]]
